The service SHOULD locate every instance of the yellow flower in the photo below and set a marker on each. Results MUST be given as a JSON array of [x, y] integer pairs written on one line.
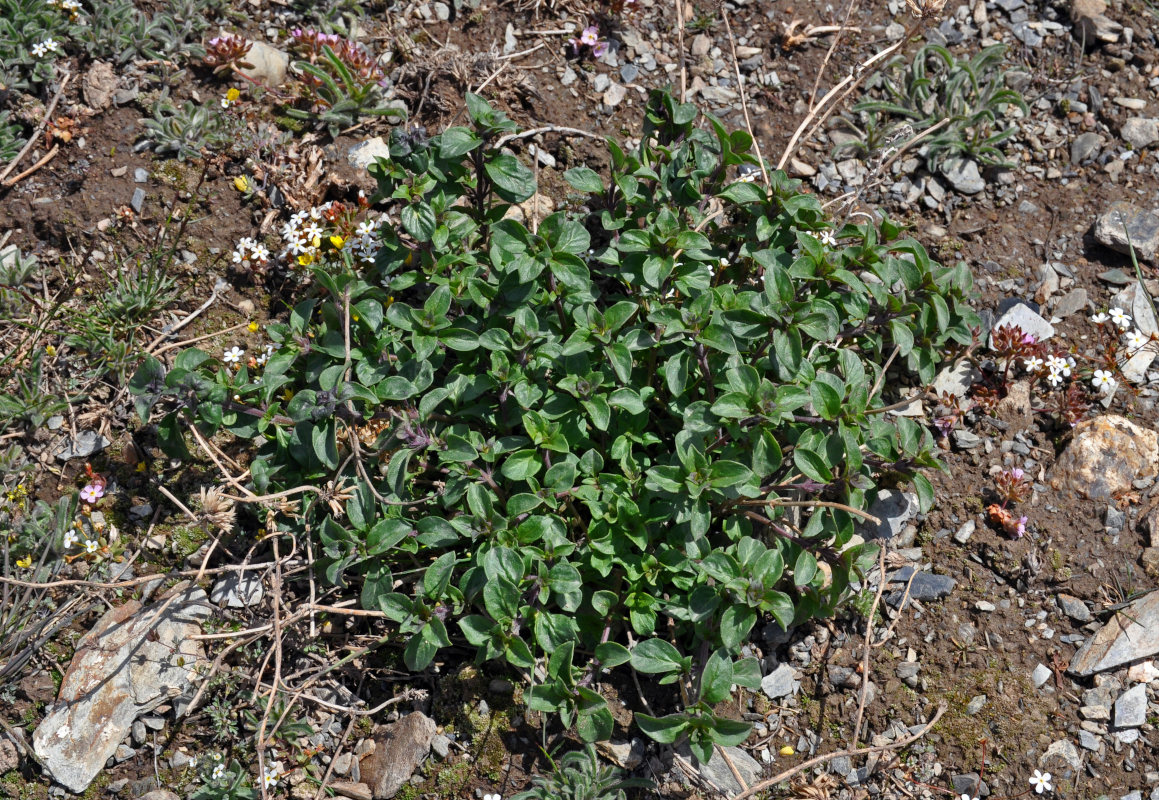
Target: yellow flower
[[25, 562], [140, 466], [288, 395], [354, 317], [232, 95], [241, 183], [787, 750], [410, 257], [50, 351], [306, 259], [253, 326], [337, 241]]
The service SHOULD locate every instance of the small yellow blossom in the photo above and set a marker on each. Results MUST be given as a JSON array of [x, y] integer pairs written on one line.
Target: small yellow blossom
[[253, 326], [50, 351], [787, 750], [337, 241], [25, 562], [306, 259], [288, 395], [354, 317], [232, 95], [241, 183], [140, 466]]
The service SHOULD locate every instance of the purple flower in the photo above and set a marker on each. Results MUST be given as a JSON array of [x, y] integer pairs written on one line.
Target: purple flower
[[1017, 473], [598, 49], [590, 35], [92, 493], [1028, 338], [1021, 527]]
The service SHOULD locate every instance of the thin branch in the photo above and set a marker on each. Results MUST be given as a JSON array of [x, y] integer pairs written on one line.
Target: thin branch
[[561, 129], [743, 96], [39, 128]]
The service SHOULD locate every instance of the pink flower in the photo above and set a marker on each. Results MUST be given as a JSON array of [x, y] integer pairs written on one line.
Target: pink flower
[[598, 49], [92, 493], [1021, 527], [590, 36], [1017, 473]]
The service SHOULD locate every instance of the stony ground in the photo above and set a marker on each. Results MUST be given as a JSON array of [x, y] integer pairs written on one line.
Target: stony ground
[[1038, 645]]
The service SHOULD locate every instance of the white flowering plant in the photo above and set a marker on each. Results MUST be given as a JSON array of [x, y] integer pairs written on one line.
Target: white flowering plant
[[589, 432]]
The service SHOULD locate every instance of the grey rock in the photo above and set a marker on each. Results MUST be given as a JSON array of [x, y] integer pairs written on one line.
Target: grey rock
[[700, 45], [1105, 456], [1127, 736], [1071, 303], [1059, 755], [343, 763], [627, 755], [1124, 220], [976, 704], [1114, 519], [138, 732], [1074, 608], [99, 85], [137, 201], [568, 77], [9, 756], [780, 682], [629, 73], [1088, 741], [1131, 707], [442, 12], [614, 95], [363, 154], [969, 783], [510, 43], [126, 665], [398, 751], [985, 606], [269, 64], [441, 746], [1140, 132], [963, 175], [925, 586], [957, 379], [1027, 319], [85, 444], [1132, 634], [717, 774], [500, 686], [907, 669], [963, 534], [141, 175], [895, 509], [237, 590], [1085, 147], [601, 81], [159, 794], [1026, 33], [842, 765], [1040, 675], [966, 440]]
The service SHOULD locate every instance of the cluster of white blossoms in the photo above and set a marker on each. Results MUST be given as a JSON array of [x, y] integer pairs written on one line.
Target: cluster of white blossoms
[[71, 6], [49, 45], [826, 238], [307, 231], [251, 254]]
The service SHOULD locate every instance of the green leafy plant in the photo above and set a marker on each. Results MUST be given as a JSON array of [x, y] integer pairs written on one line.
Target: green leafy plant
[[613, 438], [118, 31], [24, 24], [935, 86], [342, 83], [10, 138], [187, 131], [578, 775], [26, 402]]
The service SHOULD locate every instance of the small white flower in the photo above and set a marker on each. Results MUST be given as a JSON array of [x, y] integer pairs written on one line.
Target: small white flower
[[365, 228], [1135, 339], [41, 49], [270, 779], [1032, 364], [192, 763], [828, 239], [218, 772], [1040, 781], [312, 231], [1099, 318], [1061, 366], [967, 797], [1104, 381], [261, 253], [70, 538], [233, 355], [1054, 377], [1120, 318], [91, 546], [492, 797]]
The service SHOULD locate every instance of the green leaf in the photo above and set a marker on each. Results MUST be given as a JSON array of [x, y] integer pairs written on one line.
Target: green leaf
[[438, 576], [735, 625], [455, 142], [656, 656], [513, 181], [716, 678], [730, 732], [584, 179], [665, 730], [521, 465], [612, 654], [418, 220]]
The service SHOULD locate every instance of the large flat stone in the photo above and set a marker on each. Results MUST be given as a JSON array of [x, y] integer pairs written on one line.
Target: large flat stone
[[1105, 456], [1124, 226], [1132, 634], [131, 661], [398, 751]]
